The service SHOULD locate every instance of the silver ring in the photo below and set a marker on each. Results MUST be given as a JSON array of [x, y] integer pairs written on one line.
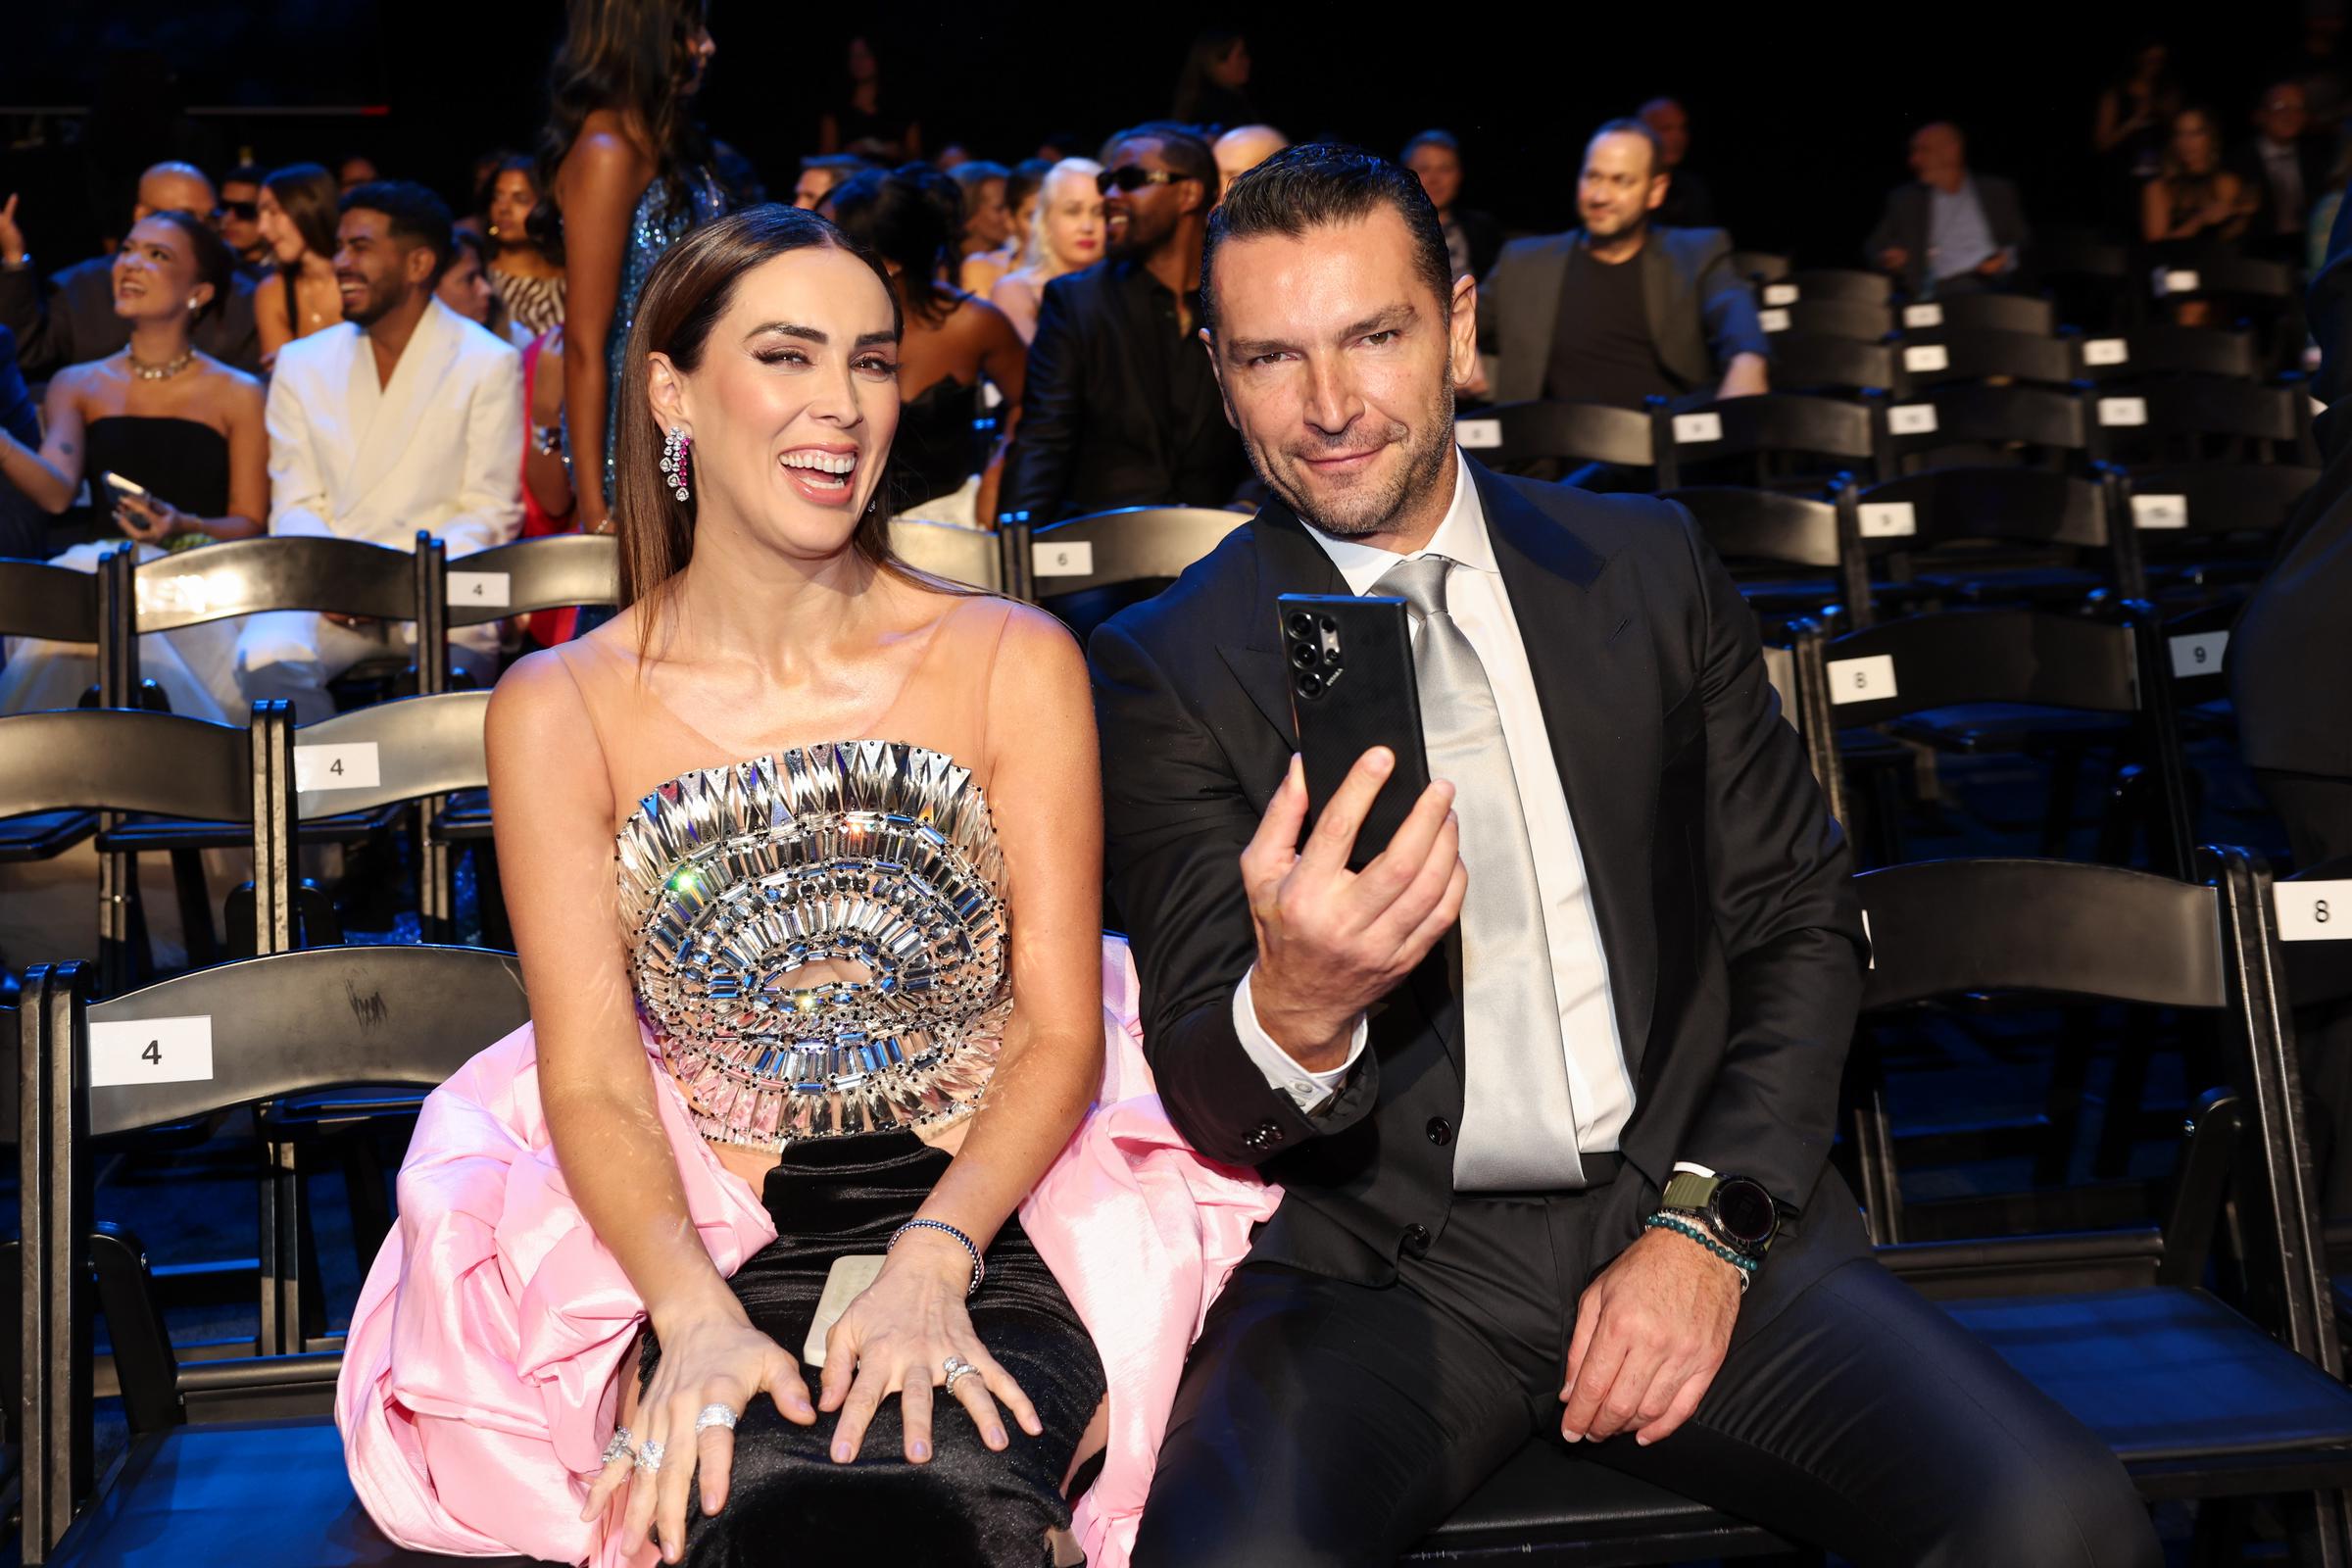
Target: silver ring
[[956, 1367], [621, 1446], [714, 1415], [649, 1457]]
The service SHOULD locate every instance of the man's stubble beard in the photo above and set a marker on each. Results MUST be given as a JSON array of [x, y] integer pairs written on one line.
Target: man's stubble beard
[[1424, 470]]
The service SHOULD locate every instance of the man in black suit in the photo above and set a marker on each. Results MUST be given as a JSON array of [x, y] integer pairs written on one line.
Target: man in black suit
[[1621, 310], [2283, 173], [1118, 409], [1531, 1172], [1473, 239], [1951, 231], [73, 319]]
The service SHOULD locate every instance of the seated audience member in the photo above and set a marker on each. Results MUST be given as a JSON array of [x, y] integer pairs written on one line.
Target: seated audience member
[[23, 530], [1951, 231], [239, 221], [1244, 148], [1473, 239], [1120, 408], [1620, 310], [525, 278], [184, 427], [1060, 145], [71, 316], [2283, 174], [1688, 203], [466, 289], [952, 340], [299, 209], [404, 417], [1550, 1088], [356, 171], [1066, 233], [1021, 188], [987, 234], [820, 176], [2194, 197]]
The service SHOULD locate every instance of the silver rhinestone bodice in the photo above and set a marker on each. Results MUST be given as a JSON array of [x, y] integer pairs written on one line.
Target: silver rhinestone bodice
[[734, 880]]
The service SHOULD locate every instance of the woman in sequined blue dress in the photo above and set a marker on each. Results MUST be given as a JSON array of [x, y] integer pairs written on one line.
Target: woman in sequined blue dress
[[629, 177]]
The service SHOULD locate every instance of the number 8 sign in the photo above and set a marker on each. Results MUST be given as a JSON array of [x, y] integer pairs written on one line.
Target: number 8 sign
[[2313, 912]]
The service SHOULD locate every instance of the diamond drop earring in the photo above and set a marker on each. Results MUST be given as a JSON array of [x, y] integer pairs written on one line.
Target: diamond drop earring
[[675, 449]]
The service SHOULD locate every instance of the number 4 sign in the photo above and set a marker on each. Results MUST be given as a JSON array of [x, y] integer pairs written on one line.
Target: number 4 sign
[[151, 1050]]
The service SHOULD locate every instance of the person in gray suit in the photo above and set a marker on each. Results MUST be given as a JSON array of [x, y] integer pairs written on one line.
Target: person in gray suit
[[1951, 231], [1621, 310]]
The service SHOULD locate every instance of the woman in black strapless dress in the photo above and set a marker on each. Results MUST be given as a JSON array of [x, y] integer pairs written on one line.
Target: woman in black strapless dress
[[185, 428]]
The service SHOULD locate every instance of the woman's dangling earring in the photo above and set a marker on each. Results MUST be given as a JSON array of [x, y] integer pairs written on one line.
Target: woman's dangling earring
[[674, 448]]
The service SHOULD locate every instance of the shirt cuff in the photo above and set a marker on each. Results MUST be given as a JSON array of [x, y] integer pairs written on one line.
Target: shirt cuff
[[1309, 1091], [1694, 1168]]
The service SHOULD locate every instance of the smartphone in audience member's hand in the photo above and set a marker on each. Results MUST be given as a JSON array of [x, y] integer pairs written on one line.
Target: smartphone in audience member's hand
[[1350, 662], [120, 489]]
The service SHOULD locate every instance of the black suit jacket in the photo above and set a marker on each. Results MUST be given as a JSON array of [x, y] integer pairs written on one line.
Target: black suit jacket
[[71, 319], [1700, 312], [1721, 883], [2289, 656], [1904, 222], [2247, 162], [1099, 426]]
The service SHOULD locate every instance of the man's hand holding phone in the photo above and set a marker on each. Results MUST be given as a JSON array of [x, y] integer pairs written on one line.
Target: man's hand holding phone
[[1330, 941]]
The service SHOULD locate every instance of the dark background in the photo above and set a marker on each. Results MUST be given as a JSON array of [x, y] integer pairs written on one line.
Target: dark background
[[1799, 113]]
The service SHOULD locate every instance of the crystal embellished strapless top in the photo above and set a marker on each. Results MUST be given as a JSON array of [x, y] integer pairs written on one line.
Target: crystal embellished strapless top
[[736, 880]]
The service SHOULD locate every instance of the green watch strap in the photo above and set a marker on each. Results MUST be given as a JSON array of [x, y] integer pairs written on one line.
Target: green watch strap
[[1687, 1188]]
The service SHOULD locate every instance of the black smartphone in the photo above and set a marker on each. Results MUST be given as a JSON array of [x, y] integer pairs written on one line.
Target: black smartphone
[[1350, 667], [120, 489]]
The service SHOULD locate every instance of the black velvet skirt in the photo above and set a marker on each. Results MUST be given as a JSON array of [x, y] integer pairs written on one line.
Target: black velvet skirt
[[790, 1504]]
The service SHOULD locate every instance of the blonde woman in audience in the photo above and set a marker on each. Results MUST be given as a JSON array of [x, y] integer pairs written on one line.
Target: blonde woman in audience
[[298, 208], [1065, 234]]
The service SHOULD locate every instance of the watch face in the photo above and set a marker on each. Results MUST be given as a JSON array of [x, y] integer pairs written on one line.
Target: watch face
[[1746, 1210]]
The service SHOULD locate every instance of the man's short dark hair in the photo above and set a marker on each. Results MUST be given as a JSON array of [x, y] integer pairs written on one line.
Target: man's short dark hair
[[1179, 148], [417, 217], [245, 175], [1320, 183], [1444, 139], [1632, 127]]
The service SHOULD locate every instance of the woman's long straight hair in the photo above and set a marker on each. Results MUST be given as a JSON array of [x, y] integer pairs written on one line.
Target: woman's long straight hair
[[688, 291], [626, 55]]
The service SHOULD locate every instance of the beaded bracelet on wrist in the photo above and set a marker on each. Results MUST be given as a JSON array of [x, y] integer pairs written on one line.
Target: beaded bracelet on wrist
[[979, 1264], [1691, 1231]]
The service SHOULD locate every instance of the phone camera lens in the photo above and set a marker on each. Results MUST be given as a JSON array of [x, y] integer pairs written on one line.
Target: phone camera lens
[[1327, 624], [1311, 684], [1303, 625], [1303, 655]]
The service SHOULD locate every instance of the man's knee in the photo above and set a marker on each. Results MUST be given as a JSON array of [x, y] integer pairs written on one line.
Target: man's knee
[[2067, 1502]]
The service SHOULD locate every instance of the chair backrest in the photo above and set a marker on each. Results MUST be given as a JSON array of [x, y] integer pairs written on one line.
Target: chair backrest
[[1763, 526], [2211, 273], [243, 576], [2182, 413], [2202, 500], [1812, 361], [1865, 319], [1964, 354], [233, 1034], [1946, 657], [1772, 425], [2017, 506], [2314, 911], [1759, 267], [1511, 435], [553, 572], [1926, 321], [1131, 544], [57, 603], [1819, 284], [2164, 349], [965, 556], [2196, 647], [1975, 414], [403, 750], [2076, 255]]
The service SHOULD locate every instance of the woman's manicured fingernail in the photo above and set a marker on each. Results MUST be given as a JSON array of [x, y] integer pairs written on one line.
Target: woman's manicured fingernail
[[841, 1452]]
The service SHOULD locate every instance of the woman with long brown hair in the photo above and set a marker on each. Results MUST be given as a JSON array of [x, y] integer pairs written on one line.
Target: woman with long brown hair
[[810, 930], [297, 210]]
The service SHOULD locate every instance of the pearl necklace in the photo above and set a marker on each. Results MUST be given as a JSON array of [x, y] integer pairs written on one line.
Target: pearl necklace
[[159, 372]]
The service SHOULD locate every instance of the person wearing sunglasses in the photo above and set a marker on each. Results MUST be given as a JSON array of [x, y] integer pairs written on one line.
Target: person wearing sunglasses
[[238, 221], [1120, 408]]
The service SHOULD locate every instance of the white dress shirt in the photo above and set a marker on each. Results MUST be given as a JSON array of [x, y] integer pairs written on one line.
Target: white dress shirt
[[1598, 1085]]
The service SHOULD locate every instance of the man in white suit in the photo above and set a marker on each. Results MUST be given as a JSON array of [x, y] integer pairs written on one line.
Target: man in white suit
[[404, 417]]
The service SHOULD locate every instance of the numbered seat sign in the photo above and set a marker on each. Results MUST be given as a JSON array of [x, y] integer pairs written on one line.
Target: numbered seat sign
[[2313, 912], [1862, 681], [151, 1050]]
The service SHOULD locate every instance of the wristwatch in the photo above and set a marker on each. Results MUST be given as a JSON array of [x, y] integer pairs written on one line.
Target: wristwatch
[[1739, 1211]]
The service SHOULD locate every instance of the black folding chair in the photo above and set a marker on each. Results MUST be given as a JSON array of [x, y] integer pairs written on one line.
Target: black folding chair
[[59, 605], [1930, 320], [1968, 354], [1759, 267], [1779, 440], [2203, 525], [1547, 437], [1866, 320], [1115, 549], [2164, 349], [1970, 682], [2199, 1401], [1821, 284], [2237, 288], [2089, 276], [1764, 536], [1995, 535], [2198, 418], [1838, 367], [230, 1461], [1975, 422]]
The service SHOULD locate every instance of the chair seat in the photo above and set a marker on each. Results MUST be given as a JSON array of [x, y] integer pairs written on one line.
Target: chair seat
[[1570, 1510], [2035, 585], [1972, 728], [255, 1494], [1780, 596], [2172, 1379], [39, 835], [466, 817], [151, 835]]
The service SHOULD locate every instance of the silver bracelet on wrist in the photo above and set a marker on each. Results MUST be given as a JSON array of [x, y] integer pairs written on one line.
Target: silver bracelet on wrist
[[979, 1264]]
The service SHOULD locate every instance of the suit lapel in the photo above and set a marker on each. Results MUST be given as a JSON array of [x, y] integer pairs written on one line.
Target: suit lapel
[[1599, 716], [405, 401], [1289, 561], [1667, 329], [1534, 316]]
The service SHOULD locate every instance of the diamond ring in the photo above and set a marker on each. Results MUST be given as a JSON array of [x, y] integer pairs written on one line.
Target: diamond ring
[[714, 1415], [621, 1447], [956, 1369], [649, 1457]]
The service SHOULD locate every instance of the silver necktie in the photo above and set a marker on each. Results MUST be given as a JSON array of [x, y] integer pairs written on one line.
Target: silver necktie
[[1518, 1129]]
